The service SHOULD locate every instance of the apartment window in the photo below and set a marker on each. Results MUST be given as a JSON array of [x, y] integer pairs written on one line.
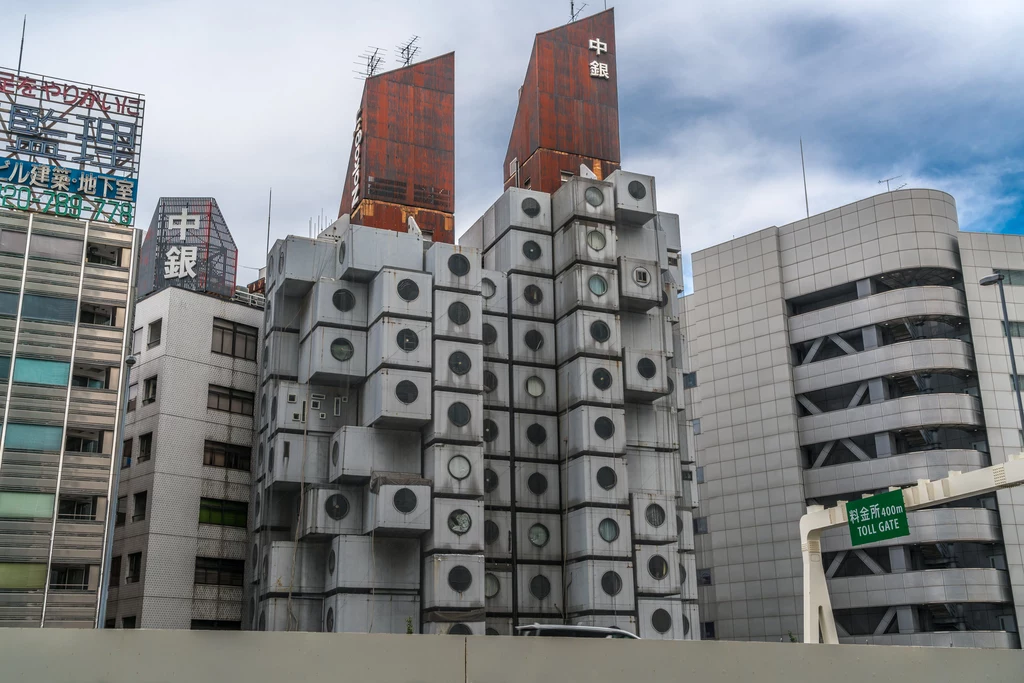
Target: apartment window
[[83, 442], [110, 623], [230, 400], [145, 447], [704, 577], [156, 329], [696, 426], [1016, 328], [700, 475], [20, 505], [1011, 277], [707, 630], [55, 248], [48, 372], [13, 242], [1017, 383], [49, 308], [69, 578], [114, 580], [139, 506], [134, 569], [233, 339], [148, 390], [212, 625], [137, 341], [689, 380], [133, 392], [90, 377], [92, 314], [216, 454], [24, 437], [76, 507], [122, 511], [217, 572], [126, 453], [223, 512], [700, 525], [128, 622], [103, 254]]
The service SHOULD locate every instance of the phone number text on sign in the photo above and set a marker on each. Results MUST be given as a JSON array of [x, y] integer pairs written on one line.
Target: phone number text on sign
[[66, 204]]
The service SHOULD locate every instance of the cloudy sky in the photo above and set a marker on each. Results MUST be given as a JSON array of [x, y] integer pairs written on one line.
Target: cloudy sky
[[713, 97]]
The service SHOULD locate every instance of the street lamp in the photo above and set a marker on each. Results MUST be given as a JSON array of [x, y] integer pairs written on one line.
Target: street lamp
[[997, 279]]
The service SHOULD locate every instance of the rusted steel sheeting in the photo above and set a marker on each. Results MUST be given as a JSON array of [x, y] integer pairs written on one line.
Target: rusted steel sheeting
[[387, 216], [543, 170]]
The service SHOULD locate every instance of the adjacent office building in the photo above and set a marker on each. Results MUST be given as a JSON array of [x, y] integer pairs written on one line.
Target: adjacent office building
[[835, 357]]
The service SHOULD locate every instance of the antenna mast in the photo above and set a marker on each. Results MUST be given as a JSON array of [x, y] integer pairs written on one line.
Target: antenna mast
[[803, 168], [370, 62], [573, 12], [889, 180], [408, 51]]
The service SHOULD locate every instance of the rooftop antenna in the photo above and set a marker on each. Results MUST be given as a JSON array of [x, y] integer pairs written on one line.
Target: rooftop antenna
[[270, 206], [803, 167], [21, 50], [889, 180], [573, 12], [408, 51], [369, 62]]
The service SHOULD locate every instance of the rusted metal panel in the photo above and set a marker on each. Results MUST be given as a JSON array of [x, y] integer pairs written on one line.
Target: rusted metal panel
[[439, 225], [543, 171]]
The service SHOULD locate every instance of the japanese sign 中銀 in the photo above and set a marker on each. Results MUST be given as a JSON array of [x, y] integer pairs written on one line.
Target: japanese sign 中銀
[[877, 518], [69, 149], [598, 69]]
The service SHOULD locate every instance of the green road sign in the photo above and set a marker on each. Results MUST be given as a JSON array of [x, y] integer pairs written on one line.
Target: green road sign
[[877, 518]]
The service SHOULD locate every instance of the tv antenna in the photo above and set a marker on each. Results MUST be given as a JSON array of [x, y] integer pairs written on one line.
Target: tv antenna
[[573, 12], [408, 51], [889, 180], [370, 62]]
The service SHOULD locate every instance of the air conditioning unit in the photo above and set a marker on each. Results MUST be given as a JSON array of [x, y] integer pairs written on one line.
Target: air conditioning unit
[[537, 486], [497, 434], [294, 459], [330, 511], [358, 452], [495, 337], [640, 284], [378, 613], [458, 526], [652, 518], [532, 296], [496, 386], [652, 471], [454, 267], [590, 380], [280, 354], [334, 303], [591, 332], [635, 200], [600, 586], [330, 355], [662, 619], [458, 366], [455, 470], [498, 591], [538, 537], [363, 251], [453, 582], [587, 287], [533, 342], [652, 426], [592, 430], [517, 208], [596, 480], [286, 567], [497, 483], [399, 343], [295, 263], [365, 562], [534, 389], [401, 294], [395, 399], [401, 508], [458, 315], [457, 418], [583, 199], [657, 569], [598, 532], [494, 290], [584, 242], [646, 374], [536, 436], [519, 251], [540, 590], [497, 543]]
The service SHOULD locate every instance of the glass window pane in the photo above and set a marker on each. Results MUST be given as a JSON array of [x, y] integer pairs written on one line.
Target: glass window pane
[[37, 307], [5, 367], [13, 241], [34, 437], [19, 505], [8, 303], [33, 371], [56, 248], [22, 576]]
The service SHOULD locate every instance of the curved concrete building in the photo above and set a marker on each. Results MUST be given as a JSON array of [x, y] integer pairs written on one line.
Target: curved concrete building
[[835, 357]]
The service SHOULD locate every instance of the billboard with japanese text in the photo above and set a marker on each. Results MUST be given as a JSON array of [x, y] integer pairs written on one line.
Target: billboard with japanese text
[[69, 149]]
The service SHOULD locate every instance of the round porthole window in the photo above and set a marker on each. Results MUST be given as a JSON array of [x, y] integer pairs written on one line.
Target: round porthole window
[[646, 368], [490, 532], [682, 573], [539, 535], [602, 379], [533, 295], [459, 522], [636, 189], [611, 583], [330, 620], [458, 414], [535, 386], [490, 480], [344, 300], [458, 313], [491, 585], [604, 427], [460, 579], [598, 285], [608, 529], [459, 467], [492, 631], [490, 381], [405, 500], [336, 506], [341, 252], [531, 207], [596, 240], [540, 587], [658, 567], [407, 340], [490, 430], [661, 620], [490, 334], [342, 349], [594, 196], [600, 331], [531, 250], [408, 290], [460, 630], [332, 562], [534, 340], [655, 515], [641, 276], [536, 434], [458, 265], [488, 288], [686, 625], [606, 478], [537, 483], [406, 392], [459, 363]]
